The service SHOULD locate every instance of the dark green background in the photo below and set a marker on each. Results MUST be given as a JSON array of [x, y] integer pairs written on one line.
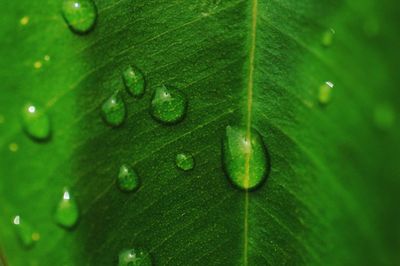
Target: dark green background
[[332, 195]]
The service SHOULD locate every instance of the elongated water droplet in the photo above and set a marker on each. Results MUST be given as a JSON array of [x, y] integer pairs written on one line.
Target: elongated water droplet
[[185, 161], [134, 81], [128, 179], [80, 15], [384, 116], [36, 122], [327, 37], [168, 104], [114, 110], [325, 93], [134, 257], [245, 157], [67, 212], [25, 232]]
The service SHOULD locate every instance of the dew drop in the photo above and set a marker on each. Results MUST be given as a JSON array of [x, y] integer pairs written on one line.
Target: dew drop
[[134, 257], [25, 232], [114, 110], [384, 116], [327, 37], [80, 15], [184, 161], [134, 81], [67, 212], [168, 104], [128, 179], [325, 93], [36, 122], [245, 158]]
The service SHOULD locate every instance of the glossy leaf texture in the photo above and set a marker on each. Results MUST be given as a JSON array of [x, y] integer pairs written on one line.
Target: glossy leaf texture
[[318, 80]]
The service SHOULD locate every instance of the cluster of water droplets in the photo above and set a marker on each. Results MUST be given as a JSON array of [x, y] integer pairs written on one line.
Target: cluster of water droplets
[[244, 155]]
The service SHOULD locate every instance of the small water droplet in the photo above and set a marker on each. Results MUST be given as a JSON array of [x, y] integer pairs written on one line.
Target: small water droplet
[[36, 122], [25, 232], [67, 212], [24, 21], [38, 64], [134, 257], [325, 93], [384, 116], [245, 158], [185, 161], [168, 104], [80, 15], [134, 81], [128, 179], [13, 147], [327, 37], [114, 110]]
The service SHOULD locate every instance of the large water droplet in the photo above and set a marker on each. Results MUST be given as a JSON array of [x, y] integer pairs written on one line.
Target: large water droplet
[[114, 110], [245, 157], [134, 81], [80, 15], [36, 122], [168, 104], [325, 93], [185, 161], [134, 257], [25, 232], [67, 212], [327, 37], [128, 179]]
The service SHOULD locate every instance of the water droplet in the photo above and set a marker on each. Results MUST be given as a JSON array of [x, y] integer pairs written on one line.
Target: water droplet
[[384, 116], [80, 15], [36, 122], [24, 21], [134, 81], [37, 64], [245, 157], [128, 179], [185, 161], [67, 212], [114, 110], [134, 257], [168, 104], [25, 232], [327, 37], [325, 93], [13, 147]]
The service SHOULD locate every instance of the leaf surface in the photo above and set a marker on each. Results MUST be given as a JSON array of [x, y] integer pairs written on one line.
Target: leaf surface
[[254, 63]]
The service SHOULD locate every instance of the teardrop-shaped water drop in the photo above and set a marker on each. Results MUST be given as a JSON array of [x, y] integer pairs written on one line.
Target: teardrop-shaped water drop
[[327, 37], [114, 110], [134, 81], [168, 104], [325, 93], [128, 179], [25, 232], [80, 15], [185, 161], [245, 158], [36, 122], [134, 257], [67, 212]]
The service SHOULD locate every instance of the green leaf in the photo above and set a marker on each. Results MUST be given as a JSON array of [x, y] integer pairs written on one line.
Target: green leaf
[[330, 197]]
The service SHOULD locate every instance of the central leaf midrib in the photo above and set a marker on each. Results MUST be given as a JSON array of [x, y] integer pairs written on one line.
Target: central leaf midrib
[[249, 92]]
